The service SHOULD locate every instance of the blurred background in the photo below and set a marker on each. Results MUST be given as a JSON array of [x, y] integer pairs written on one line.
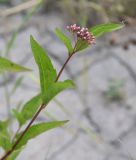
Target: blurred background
[[102, 108]]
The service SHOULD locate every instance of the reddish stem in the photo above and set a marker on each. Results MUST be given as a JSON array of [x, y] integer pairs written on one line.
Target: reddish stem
[[37, 113], [22, 135]]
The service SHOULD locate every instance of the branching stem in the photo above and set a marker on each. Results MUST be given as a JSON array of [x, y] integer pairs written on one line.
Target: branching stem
[[38, 112]]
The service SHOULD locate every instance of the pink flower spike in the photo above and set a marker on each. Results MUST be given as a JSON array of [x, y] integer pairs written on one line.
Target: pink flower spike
[[82, 33]]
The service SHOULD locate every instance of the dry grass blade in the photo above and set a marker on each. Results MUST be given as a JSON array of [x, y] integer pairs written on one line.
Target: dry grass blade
[[19, 8]]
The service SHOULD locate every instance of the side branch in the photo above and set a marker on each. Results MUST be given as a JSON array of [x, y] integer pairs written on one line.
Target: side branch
[[35, 116]]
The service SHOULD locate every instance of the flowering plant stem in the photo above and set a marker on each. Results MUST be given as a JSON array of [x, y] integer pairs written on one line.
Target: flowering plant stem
[[37, 113], [50, 86]]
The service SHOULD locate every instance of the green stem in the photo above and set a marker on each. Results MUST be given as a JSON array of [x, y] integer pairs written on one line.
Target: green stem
[[37, 113], [7, 96], [13, 139]]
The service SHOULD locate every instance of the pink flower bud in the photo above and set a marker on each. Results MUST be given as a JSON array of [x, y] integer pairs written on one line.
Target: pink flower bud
[[82, 33]]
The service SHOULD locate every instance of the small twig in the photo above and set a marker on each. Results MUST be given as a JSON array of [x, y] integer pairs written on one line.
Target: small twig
[[19, 8], [37, 113], [69, 57], [60, 72]]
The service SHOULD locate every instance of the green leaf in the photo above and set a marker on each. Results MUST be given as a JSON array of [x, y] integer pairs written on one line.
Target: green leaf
[[5, 142], [56, 88], [81, 45], [65, 40], [47, 72], [48, 75], [7, 65], [98, 30], [18, 116], [28, 110], [38, 129]]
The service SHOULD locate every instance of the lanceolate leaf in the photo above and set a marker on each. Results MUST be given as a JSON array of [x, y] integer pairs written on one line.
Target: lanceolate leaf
[[18, 116], [28, 110], [57, 88], [47, 72], [38, 129], [65, 40], [7, 65], [48, 75], [5, 142], [98, 30]]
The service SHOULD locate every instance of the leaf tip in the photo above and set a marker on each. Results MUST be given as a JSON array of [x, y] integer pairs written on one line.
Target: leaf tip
[[31, 37], [64, 122], [32, 40]]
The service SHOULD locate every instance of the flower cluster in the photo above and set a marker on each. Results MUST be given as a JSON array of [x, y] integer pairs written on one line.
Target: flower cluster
[[82, 33]]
